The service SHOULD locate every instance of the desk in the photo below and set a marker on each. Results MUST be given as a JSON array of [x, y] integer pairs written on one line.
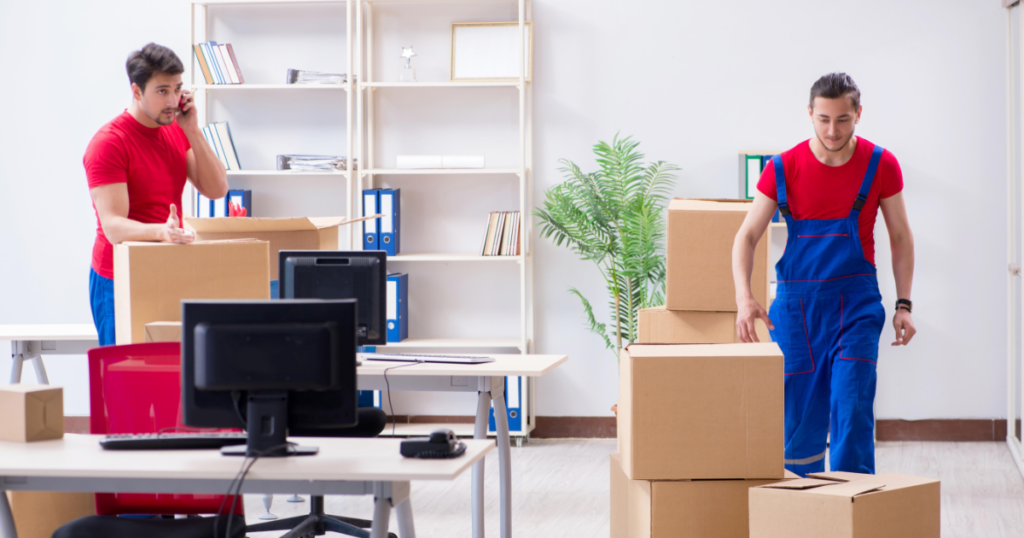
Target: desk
[[30, 342], [488, 381], [344, 466]]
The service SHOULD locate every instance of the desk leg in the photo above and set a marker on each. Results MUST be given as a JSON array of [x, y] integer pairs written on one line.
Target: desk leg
[[483, 408], [405, 526], [40, 370], [504, 462], [7, 529], [381, 515], [16, 361]]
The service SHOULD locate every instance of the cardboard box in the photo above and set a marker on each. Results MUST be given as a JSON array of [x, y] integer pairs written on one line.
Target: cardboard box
[[163, 331], [846, 505], [699, 255], [660, 325], [679, 508], [294, 233], [699, 411], [31, 412], [37, 514], [151, 279]]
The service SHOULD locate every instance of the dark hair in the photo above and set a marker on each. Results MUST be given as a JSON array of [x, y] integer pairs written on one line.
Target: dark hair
[[151, 59], [835, 86]]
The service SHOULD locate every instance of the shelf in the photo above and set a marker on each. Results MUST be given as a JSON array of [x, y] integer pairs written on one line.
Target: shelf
[[290, 87], [512, 343], [438, 171], [310, 173], [261, 2], [451, 257], [443, 84]]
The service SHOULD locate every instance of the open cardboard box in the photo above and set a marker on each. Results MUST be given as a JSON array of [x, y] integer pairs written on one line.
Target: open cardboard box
[[701, 411], [290, 233], [151, 279], [698, 255], [847, 505]]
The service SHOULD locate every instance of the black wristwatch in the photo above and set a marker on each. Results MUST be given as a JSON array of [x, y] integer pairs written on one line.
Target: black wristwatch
[[905, 304]]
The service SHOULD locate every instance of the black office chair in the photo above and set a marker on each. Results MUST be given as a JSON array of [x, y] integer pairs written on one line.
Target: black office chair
[[372, 421]]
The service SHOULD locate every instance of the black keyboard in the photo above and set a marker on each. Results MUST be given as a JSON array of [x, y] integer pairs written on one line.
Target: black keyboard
[[171, 441]]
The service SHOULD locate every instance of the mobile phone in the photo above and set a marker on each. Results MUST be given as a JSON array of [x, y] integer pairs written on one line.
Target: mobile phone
[[181, 103]]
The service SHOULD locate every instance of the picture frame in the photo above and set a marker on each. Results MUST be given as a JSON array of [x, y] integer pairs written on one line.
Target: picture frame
[[487, 51]]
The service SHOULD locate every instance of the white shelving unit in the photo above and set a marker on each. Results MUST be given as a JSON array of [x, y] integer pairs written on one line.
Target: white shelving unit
[[201, 32], [368, 172], [1015, 230]]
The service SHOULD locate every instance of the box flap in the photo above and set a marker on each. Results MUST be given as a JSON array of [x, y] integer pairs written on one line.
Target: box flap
[[704, 350], [162, 244], [699, 204], [800, 483], [839, 476], [853, 488]]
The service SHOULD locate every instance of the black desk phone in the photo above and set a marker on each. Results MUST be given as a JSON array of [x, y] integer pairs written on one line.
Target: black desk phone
[[441, 444]]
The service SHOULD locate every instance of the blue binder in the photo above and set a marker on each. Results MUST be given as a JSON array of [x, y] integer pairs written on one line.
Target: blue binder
[[241, 197], [513, 405], [389, 223], [398, 307], [764, 162], [371, 229], [368, 398]]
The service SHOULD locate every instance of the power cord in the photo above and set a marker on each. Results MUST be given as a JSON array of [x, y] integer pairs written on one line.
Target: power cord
[[240, 479], [388, 385]]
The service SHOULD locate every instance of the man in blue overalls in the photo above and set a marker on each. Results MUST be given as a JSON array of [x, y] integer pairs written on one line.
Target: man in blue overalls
[[827, 315]]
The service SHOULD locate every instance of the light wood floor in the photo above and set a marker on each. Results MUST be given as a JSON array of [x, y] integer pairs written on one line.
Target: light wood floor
[[560, 488]]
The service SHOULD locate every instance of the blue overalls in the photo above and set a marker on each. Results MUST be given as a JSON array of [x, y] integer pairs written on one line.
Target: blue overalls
[[828, 318]]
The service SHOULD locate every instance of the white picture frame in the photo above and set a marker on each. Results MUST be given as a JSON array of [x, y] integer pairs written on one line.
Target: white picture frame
[[488, 51]]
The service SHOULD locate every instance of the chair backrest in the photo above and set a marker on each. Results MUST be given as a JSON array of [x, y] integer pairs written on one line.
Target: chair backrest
[[137, 389]]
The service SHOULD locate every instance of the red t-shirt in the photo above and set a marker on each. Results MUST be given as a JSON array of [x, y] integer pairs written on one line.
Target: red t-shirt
[[152, 161], [820, 192]]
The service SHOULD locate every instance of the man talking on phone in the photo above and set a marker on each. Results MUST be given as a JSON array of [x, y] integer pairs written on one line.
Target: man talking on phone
[[137, 165]]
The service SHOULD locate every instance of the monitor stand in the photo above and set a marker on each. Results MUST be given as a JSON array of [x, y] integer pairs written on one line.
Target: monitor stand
[[267, 428]]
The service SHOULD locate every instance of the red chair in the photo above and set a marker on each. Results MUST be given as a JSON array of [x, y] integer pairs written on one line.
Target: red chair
[[137, 389]]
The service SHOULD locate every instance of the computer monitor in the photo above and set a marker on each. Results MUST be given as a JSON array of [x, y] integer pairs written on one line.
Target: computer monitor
[[333, 274], [267, 366]]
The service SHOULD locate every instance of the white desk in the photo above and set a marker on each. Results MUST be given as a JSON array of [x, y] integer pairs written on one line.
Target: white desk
[[488, 381], [344, 466], [30, 342]]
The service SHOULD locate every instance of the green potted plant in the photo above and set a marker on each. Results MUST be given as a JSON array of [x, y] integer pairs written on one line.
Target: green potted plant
[[614, 217]]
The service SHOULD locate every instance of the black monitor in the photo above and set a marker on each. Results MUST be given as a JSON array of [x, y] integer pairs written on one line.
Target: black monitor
[[333, 274], [267, 366]]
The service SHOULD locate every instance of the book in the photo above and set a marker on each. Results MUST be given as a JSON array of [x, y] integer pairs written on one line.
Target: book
[[228, 63], [496, 240], [211, 63], [229, 145], [238, 70], [201, 60], [506, 234], [492, 225]]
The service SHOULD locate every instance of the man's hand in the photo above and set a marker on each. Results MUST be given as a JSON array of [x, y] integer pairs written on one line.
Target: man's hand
[[171, 233], [904, 326], [187, 118], [748, 312]]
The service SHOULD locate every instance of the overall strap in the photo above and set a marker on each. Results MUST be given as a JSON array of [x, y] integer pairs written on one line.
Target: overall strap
[[865, 186], [780, 186]]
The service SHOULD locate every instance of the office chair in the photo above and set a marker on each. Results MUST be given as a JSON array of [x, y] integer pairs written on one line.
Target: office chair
[[137, 389], [372, 421]]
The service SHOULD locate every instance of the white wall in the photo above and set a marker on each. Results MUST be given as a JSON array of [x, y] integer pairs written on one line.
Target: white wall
[[694, 81]]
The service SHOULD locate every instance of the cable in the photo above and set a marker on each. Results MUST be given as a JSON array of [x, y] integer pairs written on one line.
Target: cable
[[388, 384], [240, 479]]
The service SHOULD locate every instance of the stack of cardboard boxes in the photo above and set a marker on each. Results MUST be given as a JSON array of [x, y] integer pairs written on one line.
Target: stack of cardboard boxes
[[701, 417]]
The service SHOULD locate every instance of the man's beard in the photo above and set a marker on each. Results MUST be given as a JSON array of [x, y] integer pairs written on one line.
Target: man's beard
[[159, 119]]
